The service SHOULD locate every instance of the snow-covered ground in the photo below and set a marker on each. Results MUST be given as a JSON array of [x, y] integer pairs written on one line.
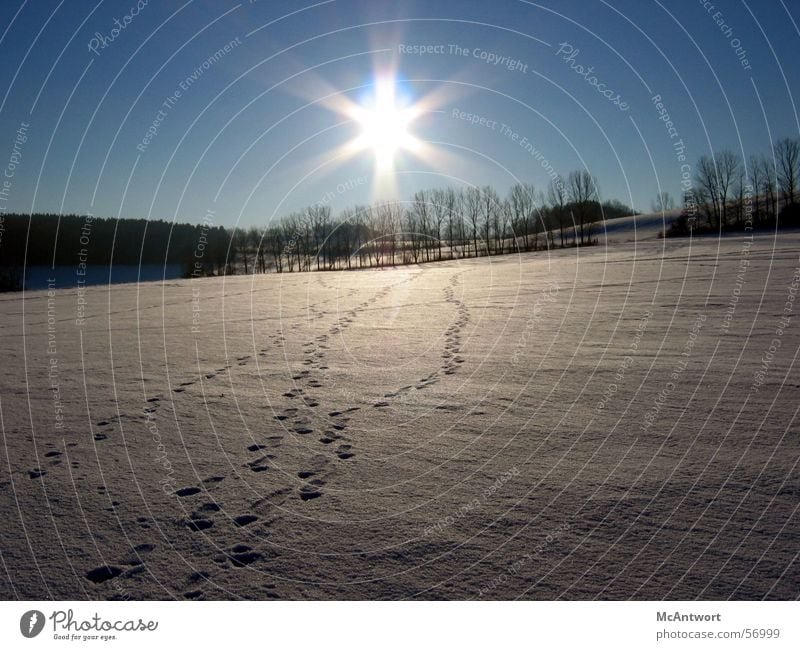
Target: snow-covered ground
[[596, 423], [633, 229]]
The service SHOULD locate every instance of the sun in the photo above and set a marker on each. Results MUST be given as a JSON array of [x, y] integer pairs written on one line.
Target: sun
[[384, 125]]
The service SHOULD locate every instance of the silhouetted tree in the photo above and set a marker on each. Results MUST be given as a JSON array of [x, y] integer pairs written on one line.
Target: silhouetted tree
[[787, 155]]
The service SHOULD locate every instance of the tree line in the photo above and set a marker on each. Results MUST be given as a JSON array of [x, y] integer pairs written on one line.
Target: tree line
[[434, 225], [734, 193], [727, 193]]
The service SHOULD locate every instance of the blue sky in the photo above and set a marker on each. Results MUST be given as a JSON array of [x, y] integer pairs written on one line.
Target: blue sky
[[249, 139]]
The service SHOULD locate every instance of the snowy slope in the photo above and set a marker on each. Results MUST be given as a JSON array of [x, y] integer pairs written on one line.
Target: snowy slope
[[580, 424]]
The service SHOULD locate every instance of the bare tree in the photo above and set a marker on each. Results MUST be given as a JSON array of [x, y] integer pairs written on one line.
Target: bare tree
[[499, 221], [743, 198], [412, 234], [582, 192], [318, 218], [663, 202], [787, 155], [473, 209], [708, 189], [489, 206], [240, 245], [756, 170], [520, 199], [769, 188], [439, 212], [454, 221], [361, 230], [255, 240], [727, 164], [558, 197], [293, 237], [422, 213], [275, 244], [391, 224]]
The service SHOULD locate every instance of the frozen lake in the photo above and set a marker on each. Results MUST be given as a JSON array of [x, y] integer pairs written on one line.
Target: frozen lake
[[66, 277]]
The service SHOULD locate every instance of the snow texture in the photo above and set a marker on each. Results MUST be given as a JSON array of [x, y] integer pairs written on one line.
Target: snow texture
[[607, 422]]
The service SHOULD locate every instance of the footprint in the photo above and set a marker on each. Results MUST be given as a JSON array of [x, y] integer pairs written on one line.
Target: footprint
[[308, 492], [280, 492], [199, 524], [209, 507], [52, 454], [303, 431], [213, 479], [344, 452], [256, 447], [197, 576], [242, 555], [244, 520], [306, 474], [103, 573], [36, 473], [187, 491], [379, 405], [144, 548]]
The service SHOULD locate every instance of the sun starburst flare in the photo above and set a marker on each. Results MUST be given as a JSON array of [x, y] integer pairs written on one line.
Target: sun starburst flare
[[385, 126], [384, 120]]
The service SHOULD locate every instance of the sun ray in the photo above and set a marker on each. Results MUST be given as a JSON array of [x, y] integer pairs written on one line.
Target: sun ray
[[384, 126], [384, 116]]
